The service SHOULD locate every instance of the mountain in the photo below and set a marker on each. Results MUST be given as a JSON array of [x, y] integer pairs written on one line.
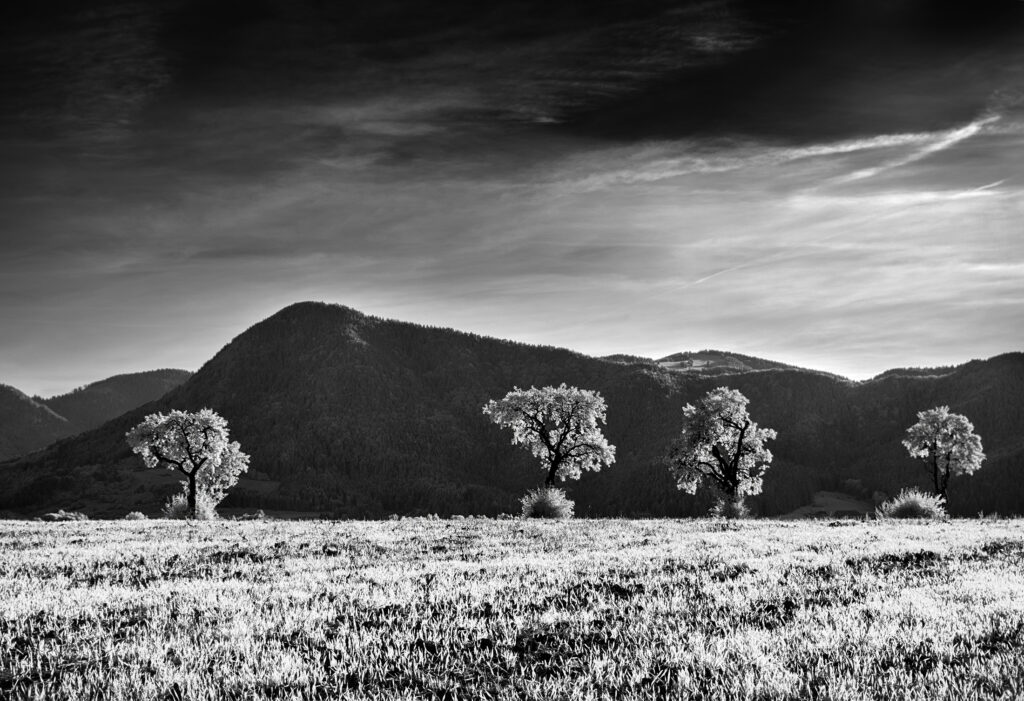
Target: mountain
[[718, 363], [28, 424], [88, 407], [350, 415]]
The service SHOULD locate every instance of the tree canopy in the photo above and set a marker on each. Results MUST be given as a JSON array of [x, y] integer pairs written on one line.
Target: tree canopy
[[196, 444], [720, 445], [559, 426], [947, 444]]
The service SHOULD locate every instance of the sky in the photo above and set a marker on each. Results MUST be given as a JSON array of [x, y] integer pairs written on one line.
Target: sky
[[834, 184]]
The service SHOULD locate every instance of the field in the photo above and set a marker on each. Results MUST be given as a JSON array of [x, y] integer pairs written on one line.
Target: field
[[484, 609]]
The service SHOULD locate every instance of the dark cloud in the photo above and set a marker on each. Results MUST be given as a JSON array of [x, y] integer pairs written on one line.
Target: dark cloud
[[766, 177]]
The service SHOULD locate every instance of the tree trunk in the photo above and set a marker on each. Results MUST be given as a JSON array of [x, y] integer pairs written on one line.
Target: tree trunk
[[736, 500], [549, 481], [556, 462], [940, 489], [945, 476], [192, 494], [732, 503], [944, 483]]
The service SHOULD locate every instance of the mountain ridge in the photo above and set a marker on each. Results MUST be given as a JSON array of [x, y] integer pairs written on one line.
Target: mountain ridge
[[351, 415], [31, 423]]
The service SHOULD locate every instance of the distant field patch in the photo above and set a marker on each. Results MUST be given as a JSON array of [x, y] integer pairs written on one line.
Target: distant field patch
[[483, 609]]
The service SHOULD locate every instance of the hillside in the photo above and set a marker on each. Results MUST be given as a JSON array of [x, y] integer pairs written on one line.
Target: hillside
[[350, 415], [88, 407], [718, 362], [31, 423], [27, 424]]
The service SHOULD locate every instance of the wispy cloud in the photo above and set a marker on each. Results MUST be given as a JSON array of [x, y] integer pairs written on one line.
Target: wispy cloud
[[886, 201], [452, 184], [667, 160], [942, 142]]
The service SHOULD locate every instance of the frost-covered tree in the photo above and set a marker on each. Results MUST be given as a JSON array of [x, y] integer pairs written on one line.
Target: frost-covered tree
[[947, 444], [223, 475], [558, 425], [722, 447], [197, 445]]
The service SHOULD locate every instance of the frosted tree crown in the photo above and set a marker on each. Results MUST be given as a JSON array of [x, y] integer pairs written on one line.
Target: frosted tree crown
[[558, 425], [720, 445], [946, 438], [193, 443]]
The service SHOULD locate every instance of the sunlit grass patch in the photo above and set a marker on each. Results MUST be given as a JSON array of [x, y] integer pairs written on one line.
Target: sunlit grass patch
[[511, 609]]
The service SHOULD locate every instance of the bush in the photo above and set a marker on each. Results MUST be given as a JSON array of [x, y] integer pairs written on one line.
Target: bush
[[258, 516], [547, 502], [135, 516], [913, 503], [727, 508], [177, 507], [63, 515]]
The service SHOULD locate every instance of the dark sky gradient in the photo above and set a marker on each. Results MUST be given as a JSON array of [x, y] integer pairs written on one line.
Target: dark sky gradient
[[833, 184]]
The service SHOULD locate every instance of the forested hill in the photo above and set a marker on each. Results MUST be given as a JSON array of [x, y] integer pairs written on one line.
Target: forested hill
[[27, 424], [30, 423], [718, 363], [88, 407], [350, 415]]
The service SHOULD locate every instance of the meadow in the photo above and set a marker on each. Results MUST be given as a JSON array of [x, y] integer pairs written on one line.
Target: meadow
[[512, 609]]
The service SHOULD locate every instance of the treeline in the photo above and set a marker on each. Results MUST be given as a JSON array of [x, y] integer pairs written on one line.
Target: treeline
[[359, 417]]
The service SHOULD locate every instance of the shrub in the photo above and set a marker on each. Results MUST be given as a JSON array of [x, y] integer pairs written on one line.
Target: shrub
[[135, 516], [177, 507], [728, 508], [913, 503], [63, 515], [547, 502], [258, 516]]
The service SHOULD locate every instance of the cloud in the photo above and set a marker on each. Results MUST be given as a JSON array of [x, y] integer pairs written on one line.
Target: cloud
[[438, 198], [896, 199], [660, 161], [942, 142]]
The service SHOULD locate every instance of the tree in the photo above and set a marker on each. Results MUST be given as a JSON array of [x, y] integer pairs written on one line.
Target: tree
[[947, 444], [559, 425], [720, 445], [216, 481], [197, 445]]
